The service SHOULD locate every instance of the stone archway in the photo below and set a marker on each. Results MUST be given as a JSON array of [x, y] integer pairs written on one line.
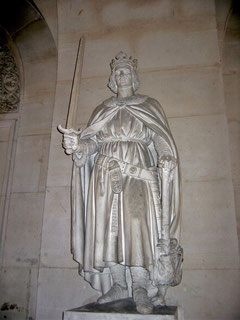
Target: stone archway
[[27, 142], [231, 80]]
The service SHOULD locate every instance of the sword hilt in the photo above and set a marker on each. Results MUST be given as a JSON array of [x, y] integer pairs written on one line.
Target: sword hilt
[[69, 131]]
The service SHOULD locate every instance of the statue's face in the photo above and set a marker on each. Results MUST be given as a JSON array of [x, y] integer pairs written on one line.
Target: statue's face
[[123, 76]]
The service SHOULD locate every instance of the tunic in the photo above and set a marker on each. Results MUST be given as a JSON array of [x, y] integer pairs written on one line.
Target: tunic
[[124, 222]]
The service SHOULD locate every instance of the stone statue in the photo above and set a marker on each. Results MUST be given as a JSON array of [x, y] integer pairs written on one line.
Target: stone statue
[[125, 195]]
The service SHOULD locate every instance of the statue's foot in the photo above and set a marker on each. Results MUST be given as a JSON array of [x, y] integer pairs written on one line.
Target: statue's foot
[[117, 292], [158, 300], [143, 302]]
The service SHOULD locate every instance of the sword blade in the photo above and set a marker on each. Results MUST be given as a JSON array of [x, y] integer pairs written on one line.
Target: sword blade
[[73, 102]]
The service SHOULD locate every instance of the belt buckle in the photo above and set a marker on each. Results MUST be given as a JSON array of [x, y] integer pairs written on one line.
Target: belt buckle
[[134, 171]]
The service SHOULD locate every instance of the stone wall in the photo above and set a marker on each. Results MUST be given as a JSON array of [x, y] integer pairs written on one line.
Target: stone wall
[[178, 45]]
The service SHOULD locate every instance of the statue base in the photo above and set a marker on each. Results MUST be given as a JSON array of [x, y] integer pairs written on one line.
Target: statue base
[[121, 310]]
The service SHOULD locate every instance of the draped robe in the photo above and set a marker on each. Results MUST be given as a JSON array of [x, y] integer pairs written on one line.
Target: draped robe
[[123, 228]]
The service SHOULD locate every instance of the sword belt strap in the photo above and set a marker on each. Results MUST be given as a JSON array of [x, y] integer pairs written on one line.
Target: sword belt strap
[[128, 169]]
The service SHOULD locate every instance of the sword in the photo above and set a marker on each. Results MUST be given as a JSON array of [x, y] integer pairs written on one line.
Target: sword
[[73, 102]]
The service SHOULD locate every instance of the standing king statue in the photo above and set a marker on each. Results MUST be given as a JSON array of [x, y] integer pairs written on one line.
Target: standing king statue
[[125, 195]]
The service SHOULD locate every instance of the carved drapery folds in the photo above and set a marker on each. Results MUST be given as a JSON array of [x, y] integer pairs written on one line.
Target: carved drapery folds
[[9, 81]]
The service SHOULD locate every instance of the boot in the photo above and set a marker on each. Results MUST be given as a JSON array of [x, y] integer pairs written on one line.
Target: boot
[[119, 289], [140, 278]]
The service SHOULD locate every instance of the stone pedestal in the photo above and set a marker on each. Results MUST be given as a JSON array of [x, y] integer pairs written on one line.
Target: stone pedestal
[[121, 310]]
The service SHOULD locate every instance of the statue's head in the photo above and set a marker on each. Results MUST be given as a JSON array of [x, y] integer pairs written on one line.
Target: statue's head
[[123, 73]]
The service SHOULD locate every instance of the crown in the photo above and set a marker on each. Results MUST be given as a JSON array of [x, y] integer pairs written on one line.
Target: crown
[[122, 59]]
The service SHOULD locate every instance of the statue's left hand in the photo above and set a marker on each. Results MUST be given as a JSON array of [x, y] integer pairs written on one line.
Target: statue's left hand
[[167, 162]]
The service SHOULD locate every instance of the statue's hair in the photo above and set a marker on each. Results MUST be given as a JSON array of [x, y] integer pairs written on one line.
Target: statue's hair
[[113, 85]]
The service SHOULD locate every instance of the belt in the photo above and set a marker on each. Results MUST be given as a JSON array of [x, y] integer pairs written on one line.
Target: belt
[[106, 140], [129, 169]]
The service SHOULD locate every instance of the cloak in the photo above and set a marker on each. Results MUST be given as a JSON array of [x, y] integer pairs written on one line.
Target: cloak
[[149, 112]]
